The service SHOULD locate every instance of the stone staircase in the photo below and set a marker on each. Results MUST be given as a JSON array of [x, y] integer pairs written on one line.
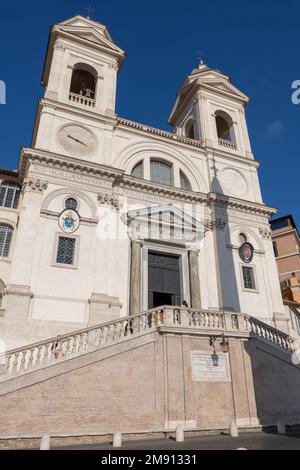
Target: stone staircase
[[37, 356]]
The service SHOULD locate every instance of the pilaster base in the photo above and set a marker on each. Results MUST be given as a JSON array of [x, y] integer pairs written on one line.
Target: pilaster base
[[16, 301], [281, 322], [103, 308]]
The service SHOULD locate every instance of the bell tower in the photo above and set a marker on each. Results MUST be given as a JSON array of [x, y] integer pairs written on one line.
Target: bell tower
[[80, 80], [210, 109]]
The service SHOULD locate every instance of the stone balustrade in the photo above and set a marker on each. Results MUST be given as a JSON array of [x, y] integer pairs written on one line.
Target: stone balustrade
[[81, 100], [160, 132], [37, 355], [227, 144]]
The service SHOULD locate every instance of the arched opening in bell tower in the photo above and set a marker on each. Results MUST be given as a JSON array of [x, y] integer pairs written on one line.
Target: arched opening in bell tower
[[190, 129], [224, 125], [83, 81]]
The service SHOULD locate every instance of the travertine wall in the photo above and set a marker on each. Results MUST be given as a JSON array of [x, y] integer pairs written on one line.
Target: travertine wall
[[145, 384]]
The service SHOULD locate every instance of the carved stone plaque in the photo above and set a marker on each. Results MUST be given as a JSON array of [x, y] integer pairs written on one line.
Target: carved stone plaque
[[203, 369]]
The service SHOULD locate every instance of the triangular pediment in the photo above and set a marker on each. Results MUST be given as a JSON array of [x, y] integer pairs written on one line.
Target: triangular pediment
[[89, 30], [208, 80], [165, 222], [222, 86], [86, 33]]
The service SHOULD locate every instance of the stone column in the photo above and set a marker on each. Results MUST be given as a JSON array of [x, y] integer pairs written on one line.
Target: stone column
[[194, 279], [135, 278]]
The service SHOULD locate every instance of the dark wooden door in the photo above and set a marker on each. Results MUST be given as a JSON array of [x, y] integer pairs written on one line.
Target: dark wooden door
[[163, 280]]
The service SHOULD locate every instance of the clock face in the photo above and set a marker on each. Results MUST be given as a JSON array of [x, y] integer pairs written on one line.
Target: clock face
[[77, 140]]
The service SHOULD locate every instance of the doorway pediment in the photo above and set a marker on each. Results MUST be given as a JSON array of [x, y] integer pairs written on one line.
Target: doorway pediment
[[166, 223]]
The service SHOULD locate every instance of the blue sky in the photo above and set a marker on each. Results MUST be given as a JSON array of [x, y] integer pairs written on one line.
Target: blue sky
[[253, 42]]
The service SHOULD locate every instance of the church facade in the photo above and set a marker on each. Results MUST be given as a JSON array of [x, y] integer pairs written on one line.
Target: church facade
[[106, 217]]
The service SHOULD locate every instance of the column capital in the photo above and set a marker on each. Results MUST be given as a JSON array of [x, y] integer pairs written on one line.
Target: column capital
[[194, 251], [34, 185], [137, 241]]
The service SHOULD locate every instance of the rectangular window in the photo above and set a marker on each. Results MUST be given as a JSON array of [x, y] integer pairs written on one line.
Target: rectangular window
[[275, 249], [160, 172], [248, 277], [65, 250]]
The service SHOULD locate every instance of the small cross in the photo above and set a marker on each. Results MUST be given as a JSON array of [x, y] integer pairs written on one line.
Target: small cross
[[201, 57], [90, 10]]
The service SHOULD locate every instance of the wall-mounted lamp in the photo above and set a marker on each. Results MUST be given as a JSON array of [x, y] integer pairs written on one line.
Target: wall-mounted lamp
[[224, 347]]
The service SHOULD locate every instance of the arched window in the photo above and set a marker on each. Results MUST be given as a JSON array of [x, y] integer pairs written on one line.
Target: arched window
[[161, 172], [190, 129], [138, 170], [83, 81], [184, 182], [224, 126], [71, 203], [9, 194], [6, 233]]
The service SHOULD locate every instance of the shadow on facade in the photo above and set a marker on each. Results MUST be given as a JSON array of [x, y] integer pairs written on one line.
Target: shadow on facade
[[227, 281]]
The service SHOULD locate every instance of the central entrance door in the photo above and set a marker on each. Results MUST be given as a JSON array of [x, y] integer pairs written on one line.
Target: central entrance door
[[164, 286]]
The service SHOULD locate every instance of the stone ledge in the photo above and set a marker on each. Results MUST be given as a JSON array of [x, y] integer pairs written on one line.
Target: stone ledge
[[33, 442]]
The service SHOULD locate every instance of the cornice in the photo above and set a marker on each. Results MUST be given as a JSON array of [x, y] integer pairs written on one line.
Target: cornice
[[29, 155], [214, 199], [221, 153], [117, 178], [150, 187], [111, 49], [176, 139], [208, 87], [159, 133], [7, 172], [64, 106]]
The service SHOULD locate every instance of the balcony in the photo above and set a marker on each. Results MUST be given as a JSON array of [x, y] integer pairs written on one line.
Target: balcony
[[227, 144], [81, 101]]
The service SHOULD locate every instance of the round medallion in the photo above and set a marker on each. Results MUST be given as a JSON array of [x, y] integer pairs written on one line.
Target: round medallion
[[76, 140], [232, 182], [246, 252], [69, 221]]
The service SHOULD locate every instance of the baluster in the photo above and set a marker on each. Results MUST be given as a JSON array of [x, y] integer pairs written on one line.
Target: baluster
[[48, 353], [14, 363], [161, 317], [117, 332], [103, 336], [22, 360], [31, 357], [69, 346], [39, 356], [90, 339], [144, 322], [177, 314], [77, 342], [6, 364], [111, 332], [83, 341], [123, 329], [97, 336], [43, 354]]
